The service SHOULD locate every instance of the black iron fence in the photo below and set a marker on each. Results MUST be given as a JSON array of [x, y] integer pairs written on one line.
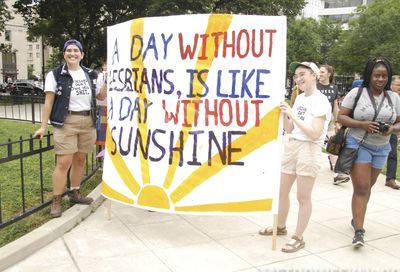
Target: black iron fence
[[26, 166], [21, 107], [25, 177]]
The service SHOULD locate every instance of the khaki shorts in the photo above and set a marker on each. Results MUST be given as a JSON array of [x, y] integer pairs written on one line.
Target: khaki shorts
[[301, 158], [77, 135]]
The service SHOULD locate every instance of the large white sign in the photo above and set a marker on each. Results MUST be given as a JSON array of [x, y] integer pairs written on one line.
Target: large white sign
[[193, 113]]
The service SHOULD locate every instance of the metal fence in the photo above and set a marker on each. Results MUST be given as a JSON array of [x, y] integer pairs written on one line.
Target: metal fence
[[21, 107], [26, 165]]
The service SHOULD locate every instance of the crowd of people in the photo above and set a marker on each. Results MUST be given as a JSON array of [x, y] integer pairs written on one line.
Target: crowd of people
[[74, 94]]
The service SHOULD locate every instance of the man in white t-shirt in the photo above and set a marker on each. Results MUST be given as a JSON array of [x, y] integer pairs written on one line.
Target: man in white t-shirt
[[70, 105]]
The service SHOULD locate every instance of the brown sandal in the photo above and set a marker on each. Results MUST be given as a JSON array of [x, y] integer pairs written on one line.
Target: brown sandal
[[294, 245], [269, 231]]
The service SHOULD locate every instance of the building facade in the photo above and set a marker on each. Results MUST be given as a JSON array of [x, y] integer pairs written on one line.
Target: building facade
[[340, 10], [311, 9], [18, 54]]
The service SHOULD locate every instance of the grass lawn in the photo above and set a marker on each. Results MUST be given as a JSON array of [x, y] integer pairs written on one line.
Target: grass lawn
[[10, 180]]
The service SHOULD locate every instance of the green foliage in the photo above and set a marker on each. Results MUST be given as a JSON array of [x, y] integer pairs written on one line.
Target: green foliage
[[54, 60], [10, 181], [372, 32], [5, 15], [30, 71], [58, 20], [309, 40]]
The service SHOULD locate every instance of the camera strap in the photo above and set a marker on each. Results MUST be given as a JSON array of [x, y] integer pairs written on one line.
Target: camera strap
[[371, 97]]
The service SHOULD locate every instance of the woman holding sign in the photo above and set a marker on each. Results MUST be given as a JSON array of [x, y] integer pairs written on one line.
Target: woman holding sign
[[307, 122]]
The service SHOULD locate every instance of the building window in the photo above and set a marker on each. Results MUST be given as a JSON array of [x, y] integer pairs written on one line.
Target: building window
[[30, 56], [342, 3], [37, 55], [29, 46], [7, 35], [37, 47], [342, 18]]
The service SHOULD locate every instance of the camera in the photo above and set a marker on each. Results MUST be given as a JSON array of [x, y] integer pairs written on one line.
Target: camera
[[383, 127]]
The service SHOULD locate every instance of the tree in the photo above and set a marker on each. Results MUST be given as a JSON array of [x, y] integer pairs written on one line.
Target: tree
[[311, 40], [58, 20], [30, 71], [5, 15], [372, 33], [54, 60], [303, 40]]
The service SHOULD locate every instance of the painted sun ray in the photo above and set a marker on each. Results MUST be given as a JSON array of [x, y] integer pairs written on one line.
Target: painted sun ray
[[137, 28], [249, 142], [110, 192], [240, 206], [216, 23], [120, 165]]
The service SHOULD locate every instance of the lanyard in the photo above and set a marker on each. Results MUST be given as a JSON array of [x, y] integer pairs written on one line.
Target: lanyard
[[371, 97]]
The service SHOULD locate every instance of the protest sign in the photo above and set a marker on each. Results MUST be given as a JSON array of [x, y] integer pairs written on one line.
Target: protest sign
[[193, 113]]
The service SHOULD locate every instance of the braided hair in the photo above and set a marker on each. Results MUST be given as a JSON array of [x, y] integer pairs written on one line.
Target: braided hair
[[373, 63]]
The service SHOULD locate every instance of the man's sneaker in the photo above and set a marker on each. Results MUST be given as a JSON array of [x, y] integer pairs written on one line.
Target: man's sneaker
[[75, 197], [358, 239], [340, 178]]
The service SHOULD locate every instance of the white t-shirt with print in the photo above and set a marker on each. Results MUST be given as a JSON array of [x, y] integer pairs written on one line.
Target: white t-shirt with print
[[307, 108], [81, 94]]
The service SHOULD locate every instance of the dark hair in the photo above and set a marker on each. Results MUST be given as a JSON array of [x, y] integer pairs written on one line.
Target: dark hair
[[369, 67], [330, 71]]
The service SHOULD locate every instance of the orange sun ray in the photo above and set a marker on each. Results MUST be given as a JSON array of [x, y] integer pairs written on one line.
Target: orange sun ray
[[120, 165], [249, 142], [137, 28], [216, 23], [110, 192], [239, 206]]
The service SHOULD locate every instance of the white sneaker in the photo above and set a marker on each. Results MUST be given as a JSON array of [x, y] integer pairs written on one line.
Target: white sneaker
[[340, 178]]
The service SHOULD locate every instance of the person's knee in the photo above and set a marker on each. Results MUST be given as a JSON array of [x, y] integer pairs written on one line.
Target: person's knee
[[63, 164], [303, 199], [79, 160], [362, 190]]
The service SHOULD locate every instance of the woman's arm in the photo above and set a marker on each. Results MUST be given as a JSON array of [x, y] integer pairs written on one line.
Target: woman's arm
[[102, 93], [313, 132], [345, 119]]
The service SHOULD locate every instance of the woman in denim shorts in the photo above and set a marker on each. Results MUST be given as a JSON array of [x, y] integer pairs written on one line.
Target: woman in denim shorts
[[371, 138], [307, 122]]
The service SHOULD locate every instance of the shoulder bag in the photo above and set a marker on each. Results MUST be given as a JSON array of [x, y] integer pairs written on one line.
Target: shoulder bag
[[336, 142]]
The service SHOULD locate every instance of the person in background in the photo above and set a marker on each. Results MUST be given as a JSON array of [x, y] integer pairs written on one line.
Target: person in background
[[101, 124], [331, 91], [70, 105], [391, 166], [307, 121], [356, 83], [370, 138]]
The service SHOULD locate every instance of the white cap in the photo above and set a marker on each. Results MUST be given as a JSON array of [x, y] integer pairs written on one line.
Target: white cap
[[311, 65]]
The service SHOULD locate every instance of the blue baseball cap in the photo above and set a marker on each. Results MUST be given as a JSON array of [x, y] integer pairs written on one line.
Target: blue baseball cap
[[73, 42]]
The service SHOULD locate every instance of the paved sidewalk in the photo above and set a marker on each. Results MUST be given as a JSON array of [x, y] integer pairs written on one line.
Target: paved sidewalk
[[138, 240]]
